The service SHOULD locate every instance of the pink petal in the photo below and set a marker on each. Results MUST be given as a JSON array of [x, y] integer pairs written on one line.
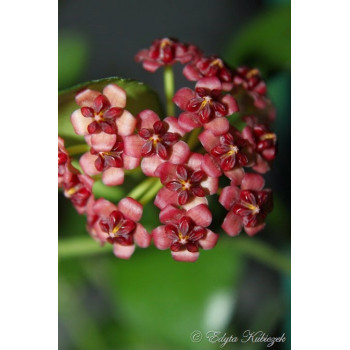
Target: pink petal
[[182, 97], [166, 172], [201, 215], [253, 182], [79, 122], [211, 184], [151, 66], [262, 165], [141, 236], [116, 95], [146, 119], [113, 176], [171, 214], [195, 161], [160, 238], [87, 181], [123, 251], [229, 195], [180, 153], [103, 207], [210, 166], [130, 162], [174, 126], [149, 165], [251, 231], [133, 145], [191, 72], [185, 256], [232, 224], [211, 83], [231, 104], [209, 241], [126, 124], [165, 197], [101, 142], [194, 202], [131, 208], [227, 86], [86, 97], [87, 163], [218, 126], [141, 55], [247, 134], [188, 121], [208, 140], [235, 175]]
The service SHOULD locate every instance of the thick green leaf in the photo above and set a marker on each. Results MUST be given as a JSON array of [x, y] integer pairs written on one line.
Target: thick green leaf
[[139, 97], [265, 42]]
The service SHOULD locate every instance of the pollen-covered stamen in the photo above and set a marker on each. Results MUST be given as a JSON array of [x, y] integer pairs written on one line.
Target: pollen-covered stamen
[[110, 159], [103, 115], [158, 141], [230, 151], [187, 184], [185, 235], [118, 228]]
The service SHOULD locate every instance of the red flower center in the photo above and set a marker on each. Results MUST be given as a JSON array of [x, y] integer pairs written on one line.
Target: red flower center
[[119, 228], [76, 191], [158, 141], [230, 151], [103, 114], [185, 235], [187, 184], [110, 159]]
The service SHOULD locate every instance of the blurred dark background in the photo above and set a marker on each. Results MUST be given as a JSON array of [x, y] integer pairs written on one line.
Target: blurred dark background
[[151, 302]]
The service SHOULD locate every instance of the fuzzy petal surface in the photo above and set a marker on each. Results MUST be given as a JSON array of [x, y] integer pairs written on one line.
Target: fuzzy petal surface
[[209, 241], [87, 163], [185, 256], [126, 124], [131, 208], [182, 97], [160, 238], [123, 251], [201, 215], [218, 126], [141, 236], [229, 196], [79, 122], [232, 224], [86, 97], [253, 182], [113, 177]]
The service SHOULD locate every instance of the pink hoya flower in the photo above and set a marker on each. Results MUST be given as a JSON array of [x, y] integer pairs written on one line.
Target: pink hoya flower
[[78, 188], [263, 141], [248, 206], [165, 52], [156, 142], [227, 154], [102, 116], [118, 225], [64, 165], [251, 81], [185, 184], [205, 106], [110, 163], [209, 67], [185, 232]]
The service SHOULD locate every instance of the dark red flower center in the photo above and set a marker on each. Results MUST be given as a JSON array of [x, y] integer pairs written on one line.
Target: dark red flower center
[[214, 66], [250, 79], [230, 151], [157, 140], [103, 114], [110, 159], [119, 228], [265, 141], [253, 206], [76, 191], [207, 105], [187, 184], [185, 235]]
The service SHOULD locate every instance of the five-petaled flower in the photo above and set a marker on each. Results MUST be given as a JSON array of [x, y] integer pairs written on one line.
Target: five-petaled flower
[[185, 232], [209, 67], [248, 205], [165, 52], [206, 106]]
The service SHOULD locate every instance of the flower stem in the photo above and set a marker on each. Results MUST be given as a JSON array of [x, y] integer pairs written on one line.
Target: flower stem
[[149, 195], [77, 149], [169, 88], [141, 188], [193, 138]]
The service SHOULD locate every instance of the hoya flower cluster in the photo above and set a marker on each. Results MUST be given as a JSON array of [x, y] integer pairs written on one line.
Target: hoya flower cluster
[[190, 153]]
